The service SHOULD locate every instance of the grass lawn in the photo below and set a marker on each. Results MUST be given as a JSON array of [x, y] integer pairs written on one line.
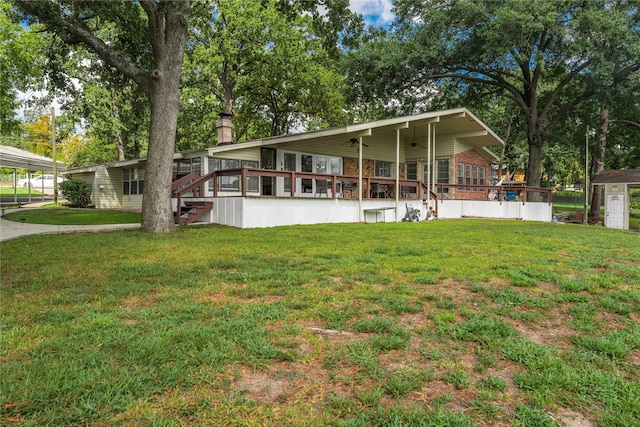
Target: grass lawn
[[67, 216], [19, 191], [445, 323]]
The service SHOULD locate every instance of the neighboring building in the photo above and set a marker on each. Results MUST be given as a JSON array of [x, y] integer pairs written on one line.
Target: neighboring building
[[436, 160]]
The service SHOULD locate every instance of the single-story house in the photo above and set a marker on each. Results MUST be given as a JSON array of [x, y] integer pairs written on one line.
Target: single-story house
[[617, 194], [437, 162]]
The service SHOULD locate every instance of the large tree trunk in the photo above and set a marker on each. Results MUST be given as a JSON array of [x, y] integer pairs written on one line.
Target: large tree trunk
[[534, 168], [596, 197], [169, 35]]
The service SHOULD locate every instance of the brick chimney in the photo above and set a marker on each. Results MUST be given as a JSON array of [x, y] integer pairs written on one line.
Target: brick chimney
[[225, 129]]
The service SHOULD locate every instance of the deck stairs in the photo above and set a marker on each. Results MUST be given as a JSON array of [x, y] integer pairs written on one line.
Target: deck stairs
[[189, 211]]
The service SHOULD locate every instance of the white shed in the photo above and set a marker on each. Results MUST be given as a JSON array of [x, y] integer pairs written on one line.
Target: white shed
[[617, 185]]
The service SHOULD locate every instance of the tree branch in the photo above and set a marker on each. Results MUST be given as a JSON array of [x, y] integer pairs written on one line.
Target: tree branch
[[49, 12]]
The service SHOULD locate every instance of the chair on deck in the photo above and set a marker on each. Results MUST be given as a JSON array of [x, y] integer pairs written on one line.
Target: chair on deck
[[322, 187], [378, 191], [349, 186]]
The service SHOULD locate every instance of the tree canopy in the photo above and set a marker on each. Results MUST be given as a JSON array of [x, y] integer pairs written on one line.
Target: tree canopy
[[546, 57]]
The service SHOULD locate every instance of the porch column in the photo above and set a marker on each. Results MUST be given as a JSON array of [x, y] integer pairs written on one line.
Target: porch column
[[397, 171], [360, 212], [433, 184], [428, 164]]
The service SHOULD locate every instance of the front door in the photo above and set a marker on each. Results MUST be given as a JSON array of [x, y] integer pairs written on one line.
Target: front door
[[615, 211]]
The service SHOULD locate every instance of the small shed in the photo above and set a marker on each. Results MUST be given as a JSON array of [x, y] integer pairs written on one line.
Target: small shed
[[617, 185]]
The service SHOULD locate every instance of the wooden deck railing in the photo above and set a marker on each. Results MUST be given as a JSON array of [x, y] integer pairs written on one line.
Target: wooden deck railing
[[373, 187]]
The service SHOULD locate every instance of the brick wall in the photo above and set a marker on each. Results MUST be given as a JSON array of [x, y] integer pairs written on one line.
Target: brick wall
[[471, 157]]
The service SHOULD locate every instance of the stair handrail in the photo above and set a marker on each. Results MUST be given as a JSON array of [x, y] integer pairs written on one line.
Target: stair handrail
[[185, 184]]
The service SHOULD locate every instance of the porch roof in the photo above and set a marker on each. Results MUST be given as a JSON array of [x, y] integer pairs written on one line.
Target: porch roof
[[457, 123]]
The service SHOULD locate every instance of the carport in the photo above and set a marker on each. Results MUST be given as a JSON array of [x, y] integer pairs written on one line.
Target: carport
[[15, 158], [617, 185]]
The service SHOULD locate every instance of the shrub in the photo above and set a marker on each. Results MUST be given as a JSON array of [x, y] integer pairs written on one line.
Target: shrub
[[76, 192]]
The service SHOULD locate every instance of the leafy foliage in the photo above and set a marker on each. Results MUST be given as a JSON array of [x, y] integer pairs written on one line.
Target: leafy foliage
[[77, 192]]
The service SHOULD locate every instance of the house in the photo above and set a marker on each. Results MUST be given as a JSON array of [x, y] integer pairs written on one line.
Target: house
[[436, 162], [617, 194]]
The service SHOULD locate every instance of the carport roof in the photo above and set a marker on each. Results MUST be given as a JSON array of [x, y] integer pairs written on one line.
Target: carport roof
[[12, 157]]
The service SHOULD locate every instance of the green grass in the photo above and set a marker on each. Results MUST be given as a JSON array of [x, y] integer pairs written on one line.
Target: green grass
[[68, 216], [446, 323], [19, 191]]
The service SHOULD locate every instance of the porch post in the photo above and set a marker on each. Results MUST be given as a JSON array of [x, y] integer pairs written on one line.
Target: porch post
[[433, 184], [360, 212], [428, 165], [397, 171]]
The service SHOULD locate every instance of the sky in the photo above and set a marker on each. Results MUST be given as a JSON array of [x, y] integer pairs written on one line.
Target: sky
[[375, 12]]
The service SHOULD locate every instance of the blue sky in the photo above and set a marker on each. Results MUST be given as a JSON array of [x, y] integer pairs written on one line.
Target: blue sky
[[375, 12]]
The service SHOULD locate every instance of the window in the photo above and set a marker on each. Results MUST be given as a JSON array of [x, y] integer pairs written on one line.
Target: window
[[232, 183], [482, 175], [467, 175], [184, 167], [307, 166], [336, 165], [321, 164], [442, 173], [229, 183], [460, 174], [132, 181], [383, 169], [475, 176], [253, 182], [288, 164], [411, 171]]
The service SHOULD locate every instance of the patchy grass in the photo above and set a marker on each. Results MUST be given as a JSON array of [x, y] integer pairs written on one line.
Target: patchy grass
[[68, 216], [455, 323]]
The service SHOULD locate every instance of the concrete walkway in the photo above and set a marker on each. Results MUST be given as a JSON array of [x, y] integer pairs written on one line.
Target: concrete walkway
[[13, 230]]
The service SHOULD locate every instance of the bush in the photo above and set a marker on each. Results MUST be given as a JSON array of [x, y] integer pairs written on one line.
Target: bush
[[76, 192]]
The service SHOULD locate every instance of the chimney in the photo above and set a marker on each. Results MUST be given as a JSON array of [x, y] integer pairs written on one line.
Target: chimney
[[225, 129]]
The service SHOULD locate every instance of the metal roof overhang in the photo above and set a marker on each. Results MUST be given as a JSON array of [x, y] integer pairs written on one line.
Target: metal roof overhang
[[457, 123], [12, 157]]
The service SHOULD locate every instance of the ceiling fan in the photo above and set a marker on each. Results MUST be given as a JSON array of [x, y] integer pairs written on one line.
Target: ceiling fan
[[414, 143], [354, 142]]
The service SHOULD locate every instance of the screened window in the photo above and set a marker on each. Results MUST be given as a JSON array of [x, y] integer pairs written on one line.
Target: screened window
[[482, 175], [467, 176], [460, 173]]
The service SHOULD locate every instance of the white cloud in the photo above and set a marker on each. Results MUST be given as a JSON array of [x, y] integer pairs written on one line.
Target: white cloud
[[375, 12]]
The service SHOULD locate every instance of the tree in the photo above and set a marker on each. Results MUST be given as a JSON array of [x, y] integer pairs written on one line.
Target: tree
[[19, 50], [268, 69], [546, 57], [110, 29]]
